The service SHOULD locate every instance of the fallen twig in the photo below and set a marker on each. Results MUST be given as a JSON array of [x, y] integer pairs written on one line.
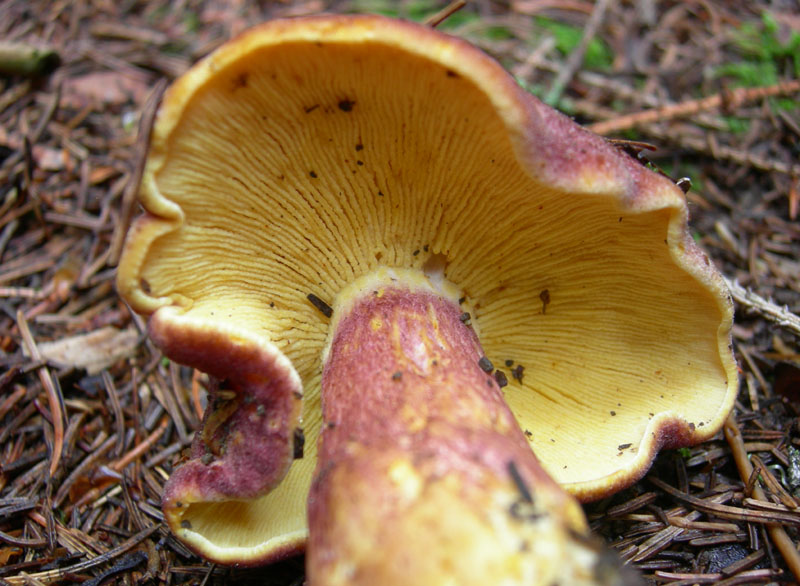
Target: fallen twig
[[708, 144], [54, 575], [54, 398], [763, 307], [146, 120], [728, 100], [727, 511], [776, 533], [576, 57], [445, 13]]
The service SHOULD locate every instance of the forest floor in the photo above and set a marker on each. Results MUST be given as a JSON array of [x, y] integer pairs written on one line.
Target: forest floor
[[712, 85]]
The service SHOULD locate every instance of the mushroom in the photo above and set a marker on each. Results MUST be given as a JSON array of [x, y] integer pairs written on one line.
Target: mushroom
[[372, 219]]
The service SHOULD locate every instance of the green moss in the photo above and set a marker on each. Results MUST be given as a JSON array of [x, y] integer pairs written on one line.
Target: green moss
[[383, 7], [459, 19], [159, 14], [786, 103], [191, 22], [762, 43], [736, 125], [766, 55], [419, 10], [749, 73], [598, 54]]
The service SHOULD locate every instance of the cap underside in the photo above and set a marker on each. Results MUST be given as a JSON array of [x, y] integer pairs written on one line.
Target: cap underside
[[303, 166]]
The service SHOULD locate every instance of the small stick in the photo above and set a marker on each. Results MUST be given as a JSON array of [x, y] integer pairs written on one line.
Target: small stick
[[772, 483], [122, 463], [165, 396], [765, 308], [54, 398], [13, 94], [576, 57], [33, 138], [707, 144], [146, 121], [14, 397], [444, 13], [727, 511], [116, 408], [82, 469], [142, 448], [778, 535], [23, 292], [58, 574], [135, 515], [196, 394], [20, 541], [728, 99], [180, 397]]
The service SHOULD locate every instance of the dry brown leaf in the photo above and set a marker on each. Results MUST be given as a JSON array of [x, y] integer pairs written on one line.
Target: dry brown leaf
[[93, 351], [49, 159], [102, 88]]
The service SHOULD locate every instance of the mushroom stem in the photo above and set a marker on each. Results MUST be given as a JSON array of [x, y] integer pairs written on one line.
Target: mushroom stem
[[424, 476]]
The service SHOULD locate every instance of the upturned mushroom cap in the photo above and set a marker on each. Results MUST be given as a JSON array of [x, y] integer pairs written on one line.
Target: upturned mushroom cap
[[306, 153]]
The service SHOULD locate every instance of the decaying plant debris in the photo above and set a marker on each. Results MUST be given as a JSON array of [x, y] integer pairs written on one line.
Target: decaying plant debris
[[115, 416]]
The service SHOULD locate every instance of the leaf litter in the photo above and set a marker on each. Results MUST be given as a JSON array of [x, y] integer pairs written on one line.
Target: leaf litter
[[92, 417]]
